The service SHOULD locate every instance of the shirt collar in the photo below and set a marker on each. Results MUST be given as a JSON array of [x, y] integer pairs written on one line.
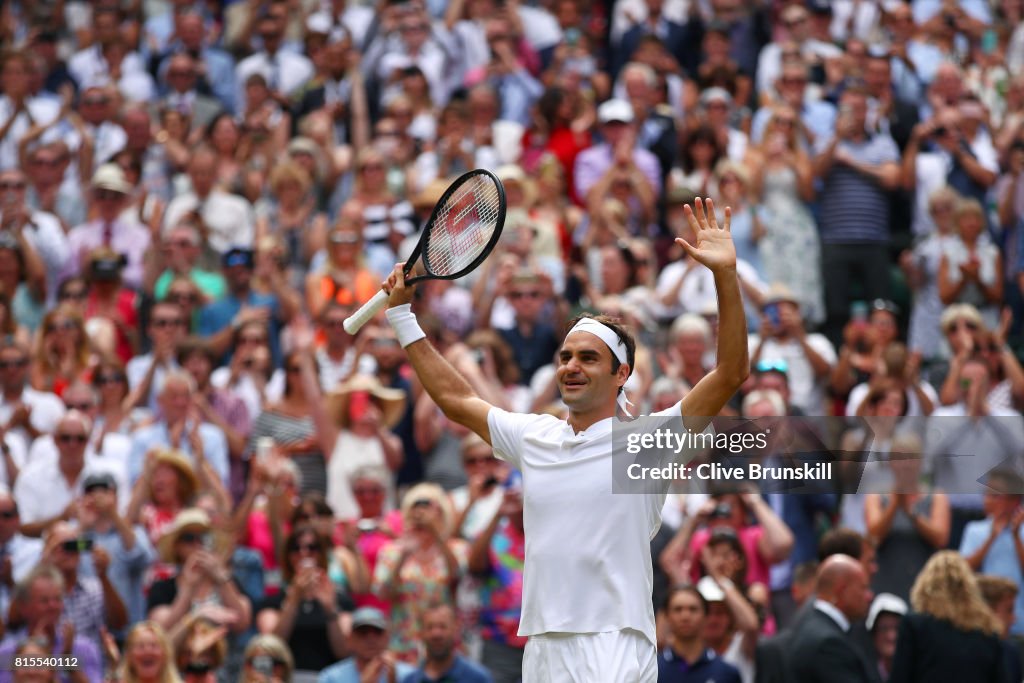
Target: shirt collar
[[833, 612], [594, 431]]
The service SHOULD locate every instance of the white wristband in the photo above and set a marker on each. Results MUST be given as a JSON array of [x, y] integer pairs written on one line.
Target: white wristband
[[403, 322]]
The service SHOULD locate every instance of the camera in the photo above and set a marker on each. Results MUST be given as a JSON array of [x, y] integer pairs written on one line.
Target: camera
[[940, 131], [722, 511]]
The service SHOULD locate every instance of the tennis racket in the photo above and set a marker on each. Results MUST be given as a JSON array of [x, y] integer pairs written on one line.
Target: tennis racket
[[463, 229]]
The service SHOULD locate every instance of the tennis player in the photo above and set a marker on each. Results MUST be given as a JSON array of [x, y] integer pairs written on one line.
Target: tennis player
[[588, 577]]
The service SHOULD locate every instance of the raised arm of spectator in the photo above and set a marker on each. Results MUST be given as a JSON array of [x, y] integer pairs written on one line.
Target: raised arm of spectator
[[674, 559], [114, 613], [359, 106], [908, 170], [715, 250], [34, 268], [450, 390], [776, 542]]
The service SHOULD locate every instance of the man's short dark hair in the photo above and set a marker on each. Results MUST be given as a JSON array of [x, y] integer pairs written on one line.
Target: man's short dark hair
[[621, 332], [841, 542], [685, 588]]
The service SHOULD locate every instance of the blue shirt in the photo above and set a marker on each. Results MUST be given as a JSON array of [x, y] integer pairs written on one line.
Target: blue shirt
[[1001, 560], [462, 671], [707, 669], [345, 672], [215, 448], [127, 567], [215, 316]]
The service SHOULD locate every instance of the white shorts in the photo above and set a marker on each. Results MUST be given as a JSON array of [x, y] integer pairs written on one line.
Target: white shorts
[[614, 657]]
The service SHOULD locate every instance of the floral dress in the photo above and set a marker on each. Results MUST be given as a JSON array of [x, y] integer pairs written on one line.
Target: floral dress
[[422, 581], [790, 248]]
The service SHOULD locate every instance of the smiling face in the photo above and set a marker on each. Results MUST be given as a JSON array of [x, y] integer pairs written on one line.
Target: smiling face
[[584, 373], [146, 654]]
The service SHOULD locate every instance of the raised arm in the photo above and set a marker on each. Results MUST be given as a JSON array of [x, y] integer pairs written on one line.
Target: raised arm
[[450, 390], [715, 250]]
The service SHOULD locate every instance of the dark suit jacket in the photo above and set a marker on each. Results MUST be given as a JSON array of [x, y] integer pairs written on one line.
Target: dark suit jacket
[[820, 652], [934, 651]]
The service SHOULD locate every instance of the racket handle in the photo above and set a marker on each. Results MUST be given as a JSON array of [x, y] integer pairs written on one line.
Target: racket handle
[[355, 322]]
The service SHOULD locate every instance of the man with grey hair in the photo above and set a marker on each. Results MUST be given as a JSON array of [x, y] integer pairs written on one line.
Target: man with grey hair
[[107, 452], [40, 600], [48, 494], [180, 427]]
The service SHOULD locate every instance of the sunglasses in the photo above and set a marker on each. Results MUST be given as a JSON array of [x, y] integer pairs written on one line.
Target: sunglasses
[[6, 364], [182, 296], [293, 369], [78, 406], [191, 537], [109, 379], [772, 366], [960, 324], [305, 548], [8, 514], [72, 438], [77, 545], [197, 668], [12, 185], [77, 294], [63, 326], [524, 295], [167, 322]]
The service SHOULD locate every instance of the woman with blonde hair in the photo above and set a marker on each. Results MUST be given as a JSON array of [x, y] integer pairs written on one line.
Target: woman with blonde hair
[[267, 657], [148, 656], [422, 567], [971, 267], [61, 354], [293, 217], [344, 277], [951, 634]]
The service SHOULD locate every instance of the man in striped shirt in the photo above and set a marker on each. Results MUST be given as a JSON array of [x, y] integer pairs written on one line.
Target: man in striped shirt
[[858, 168]]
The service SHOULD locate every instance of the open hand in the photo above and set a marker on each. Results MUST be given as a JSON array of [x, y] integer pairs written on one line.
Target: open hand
[[714, 247]]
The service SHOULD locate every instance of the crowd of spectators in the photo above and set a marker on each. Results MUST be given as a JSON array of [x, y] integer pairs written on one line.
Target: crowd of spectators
[[204, 477]]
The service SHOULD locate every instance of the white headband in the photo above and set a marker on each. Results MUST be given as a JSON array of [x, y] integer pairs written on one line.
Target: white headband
[[612, 341]]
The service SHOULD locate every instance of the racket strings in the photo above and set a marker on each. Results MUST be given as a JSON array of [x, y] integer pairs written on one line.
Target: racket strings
[[463, 227]]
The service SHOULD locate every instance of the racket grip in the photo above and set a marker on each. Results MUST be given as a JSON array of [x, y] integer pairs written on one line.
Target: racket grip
[[355, 322]]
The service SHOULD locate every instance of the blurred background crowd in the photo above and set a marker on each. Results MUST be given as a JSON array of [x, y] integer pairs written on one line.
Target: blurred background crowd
[[204, 477]]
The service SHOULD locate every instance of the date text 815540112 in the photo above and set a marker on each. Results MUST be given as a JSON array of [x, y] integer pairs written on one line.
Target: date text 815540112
[[64, 663]]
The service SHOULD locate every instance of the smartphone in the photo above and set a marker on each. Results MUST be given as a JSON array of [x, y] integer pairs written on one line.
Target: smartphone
[[859, 312], [771, 311], [358, 405]]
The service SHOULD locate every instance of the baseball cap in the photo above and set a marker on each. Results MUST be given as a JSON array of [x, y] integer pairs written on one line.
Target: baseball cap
[[716, 94], [99, 480], [369, 616], [885, 603], [237, 257], [710, 589], [615, 110]]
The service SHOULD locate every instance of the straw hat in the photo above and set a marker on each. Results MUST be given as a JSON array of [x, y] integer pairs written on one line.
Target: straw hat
[[183, 466], [111, 177], [390, 401], [189, 518]]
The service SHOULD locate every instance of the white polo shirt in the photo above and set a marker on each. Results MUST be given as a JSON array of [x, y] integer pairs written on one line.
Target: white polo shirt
[[588, 557]]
